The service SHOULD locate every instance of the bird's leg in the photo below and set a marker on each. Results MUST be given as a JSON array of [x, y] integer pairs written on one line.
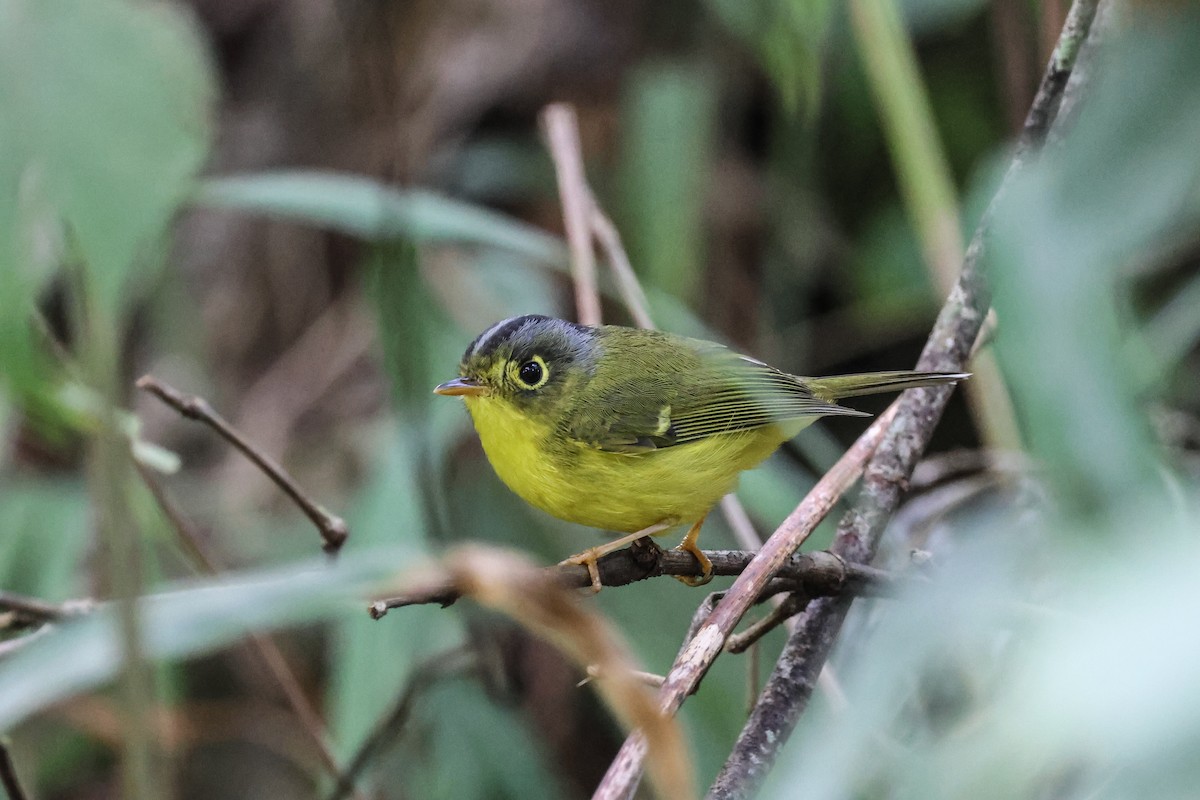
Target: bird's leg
[[589, 557], [688, 545]]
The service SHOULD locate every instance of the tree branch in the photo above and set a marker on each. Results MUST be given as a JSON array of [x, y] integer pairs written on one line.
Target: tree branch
[[790, 686], [562, 136], [332, 528], [703, 648], [817, 574]]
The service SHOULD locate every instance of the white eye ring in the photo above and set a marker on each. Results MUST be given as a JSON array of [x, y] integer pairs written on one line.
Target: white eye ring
[[531, 374]]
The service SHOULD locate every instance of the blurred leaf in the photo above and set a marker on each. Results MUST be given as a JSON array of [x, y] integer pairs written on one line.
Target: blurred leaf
[[103, 108], [489, 285], [789, 38], [188, 620], [22, 366], [1022, 670], [1064, 229], [470, 749], [928, 15], [887, 264], [44, 538], [669, 119], [1175, 329], [371, 210], [407, 321], [370, 661]]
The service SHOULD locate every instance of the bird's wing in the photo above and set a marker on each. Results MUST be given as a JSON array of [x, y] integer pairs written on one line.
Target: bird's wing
[[686, 391]]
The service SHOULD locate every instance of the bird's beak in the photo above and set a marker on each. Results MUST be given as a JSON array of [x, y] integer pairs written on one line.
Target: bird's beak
[[462, 386]]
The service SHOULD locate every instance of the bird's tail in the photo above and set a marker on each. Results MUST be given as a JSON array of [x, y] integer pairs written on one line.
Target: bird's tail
[[839, 386]]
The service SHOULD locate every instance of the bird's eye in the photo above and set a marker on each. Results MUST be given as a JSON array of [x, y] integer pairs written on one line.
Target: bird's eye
[[533, 374]]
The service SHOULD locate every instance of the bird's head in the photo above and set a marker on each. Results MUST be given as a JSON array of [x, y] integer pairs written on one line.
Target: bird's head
[[526, 361]]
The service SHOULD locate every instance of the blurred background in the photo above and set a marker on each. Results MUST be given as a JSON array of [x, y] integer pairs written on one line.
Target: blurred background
[[303, 211]]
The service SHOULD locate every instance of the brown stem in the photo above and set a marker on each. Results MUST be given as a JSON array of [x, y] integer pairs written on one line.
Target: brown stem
[[817, 574], [562, 136], [30, 611], [332, 528], [791, 683], [695, 659], [790, 607]]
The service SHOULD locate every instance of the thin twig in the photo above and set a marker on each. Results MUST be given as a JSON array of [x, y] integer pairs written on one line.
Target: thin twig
[[648, 678], [34, 611], [332, 528], [790, 607], [817, 574], [8, 775], [628, 285], [739, 521], [562, 136], [690, 666], [263, 645], [790, 686]]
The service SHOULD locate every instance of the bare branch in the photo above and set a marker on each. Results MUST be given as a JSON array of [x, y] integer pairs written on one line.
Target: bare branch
[[562, 135], [695, 659], [791, 683], [627, 283], [332, 528], [817, 574], [29, 611], [790, 607]]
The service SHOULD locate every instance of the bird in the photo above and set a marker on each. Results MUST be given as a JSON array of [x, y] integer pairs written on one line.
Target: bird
[[637, 431]]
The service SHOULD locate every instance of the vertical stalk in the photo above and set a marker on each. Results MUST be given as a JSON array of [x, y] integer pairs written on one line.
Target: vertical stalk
[[109, 471], [926, 185]]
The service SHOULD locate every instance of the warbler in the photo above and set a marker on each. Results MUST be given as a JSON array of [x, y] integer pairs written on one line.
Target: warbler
[[637, 431]]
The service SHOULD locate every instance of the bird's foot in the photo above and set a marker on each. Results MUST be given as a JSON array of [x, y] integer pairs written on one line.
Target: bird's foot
[[688, 545], [589, 557]]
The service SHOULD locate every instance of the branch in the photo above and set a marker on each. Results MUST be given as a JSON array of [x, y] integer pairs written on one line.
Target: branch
[[699, 653], [30, 611], [562, 135], [817, 574], [586, 223], [332, 528], [790, 686], [627, 283]]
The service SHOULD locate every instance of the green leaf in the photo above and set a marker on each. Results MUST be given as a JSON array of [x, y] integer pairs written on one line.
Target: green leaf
[[103, 114], [44, 537], [371, 210], [189, 619], [670, 118], [370, 661], [1114, 188]]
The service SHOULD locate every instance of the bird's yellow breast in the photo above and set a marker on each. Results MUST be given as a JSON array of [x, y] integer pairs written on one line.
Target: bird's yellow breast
[[616, 491]]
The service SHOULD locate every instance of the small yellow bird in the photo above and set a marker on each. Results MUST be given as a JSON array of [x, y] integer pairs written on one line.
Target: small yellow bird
[[637, 431]]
